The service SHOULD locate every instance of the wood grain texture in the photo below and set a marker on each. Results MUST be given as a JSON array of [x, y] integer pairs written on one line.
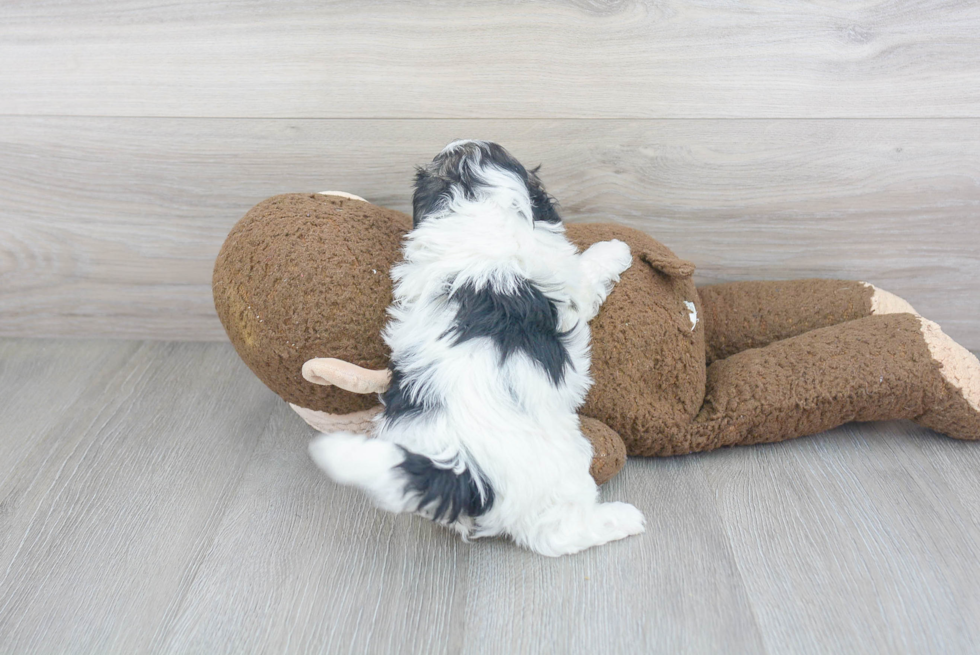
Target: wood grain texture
[[324, 572], [43, 382], [157, 499], [302, 565], [676, 589], [500, 59], [874, 550], [116, 499], [110, 226]]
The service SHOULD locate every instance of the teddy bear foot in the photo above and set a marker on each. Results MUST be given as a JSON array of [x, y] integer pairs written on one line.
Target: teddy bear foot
[[957, 412], [885, 302]]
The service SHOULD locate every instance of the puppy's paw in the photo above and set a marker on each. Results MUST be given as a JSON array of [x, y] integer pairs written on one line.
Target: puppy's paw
[[353, 458], [580, 527], [620, 520], [338, 454], [602, 265], [619, 256], [369, 464], [611, 257]]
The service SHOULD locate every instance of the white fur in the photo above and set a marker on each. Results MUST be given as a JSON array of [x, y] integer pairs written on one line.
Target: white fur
[[507, 422], [692, 313]]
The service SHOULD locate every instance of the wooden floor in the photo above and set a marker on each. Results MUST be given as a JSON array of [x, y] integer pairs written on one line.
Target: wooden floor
[[155, 497]]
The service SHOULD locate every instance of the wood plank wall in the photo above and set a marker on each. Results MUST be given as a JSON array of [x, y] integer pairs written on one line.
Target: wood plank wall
[[761, 139]]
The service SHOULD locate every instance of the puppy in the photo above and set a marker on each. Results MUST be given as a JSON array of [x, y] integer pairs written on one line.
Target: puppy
[[489, 342]]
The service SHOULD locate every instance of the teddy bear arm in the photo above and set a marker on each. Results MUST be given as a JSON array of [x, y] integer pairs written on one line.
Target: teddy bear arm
[[881, 367], [345, 375], [743, 315], [608, 449]]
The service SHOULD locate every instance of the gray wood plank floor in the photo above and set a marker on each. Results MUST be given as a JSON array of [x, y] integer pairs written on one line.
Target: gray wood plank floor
[[155, 497]]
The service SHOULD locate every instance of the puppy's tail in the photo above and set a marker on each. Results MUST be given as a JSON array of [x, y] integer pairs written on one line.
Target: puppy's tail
[[399, 480]]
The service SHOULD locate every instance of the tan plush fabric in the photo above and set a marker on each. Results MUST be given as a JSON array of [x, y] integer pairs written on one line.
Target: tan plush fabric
[[959, 366], [957, 411], [884, 302], [347, 376], [360, 422]]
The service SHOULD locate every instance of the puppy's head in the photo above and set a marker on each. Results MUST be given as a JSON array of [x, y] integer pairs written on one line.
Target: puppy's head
[[469, 171]]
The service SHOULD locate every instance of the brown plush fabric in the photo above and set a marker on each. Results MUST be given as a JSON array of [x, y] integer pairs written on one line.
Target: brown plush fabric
[[874, 368], [743, 315], [647, 362], [608, 450], [952, 415], [304, 276]]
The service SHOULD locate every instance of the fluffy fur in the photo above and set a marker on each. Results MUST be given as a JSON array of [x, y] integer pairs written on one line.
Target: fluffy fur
[[489, 344]]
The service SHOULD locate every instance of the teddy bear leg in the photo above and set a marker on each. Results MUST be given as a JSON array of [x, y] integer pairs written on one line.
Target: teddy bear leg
[[883, 367], [743, 315]]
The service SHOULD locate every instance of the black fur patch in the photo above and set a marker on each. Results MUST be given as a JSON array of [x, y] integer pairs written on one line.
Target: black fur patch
[[430, 191], [459, 168], [396, 399], [522, 321], [451, 494], [544, 206]]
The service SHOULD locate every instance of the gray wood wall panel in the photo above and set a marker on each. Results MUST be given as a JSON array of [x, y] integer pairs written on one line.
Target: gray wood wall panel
[[499, 59], [110, 226]]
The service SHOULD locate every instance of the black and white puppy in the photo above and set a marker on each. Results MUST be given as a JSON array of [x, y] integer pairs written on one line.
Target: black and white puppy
[[490, 360]]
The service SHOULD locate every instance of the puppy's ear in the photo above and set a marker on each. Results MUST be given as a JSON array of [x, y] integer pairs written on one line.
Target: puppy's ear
[[543, 206], [430, 191]]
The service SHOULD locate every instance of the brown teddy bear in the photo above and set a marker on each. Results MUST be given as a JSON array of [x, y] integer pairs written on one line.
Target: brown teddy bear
[[301, 286]]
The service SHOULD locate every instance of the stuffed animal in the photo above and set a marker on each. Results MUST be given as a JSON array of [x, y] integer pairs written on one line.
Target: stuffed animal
[[301, 286]]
